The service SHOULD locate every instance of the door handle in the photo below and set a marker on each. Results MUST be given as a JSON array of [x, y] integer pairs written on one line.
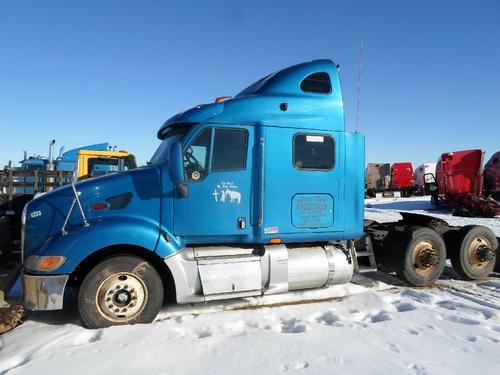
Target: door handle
[[242, 224]]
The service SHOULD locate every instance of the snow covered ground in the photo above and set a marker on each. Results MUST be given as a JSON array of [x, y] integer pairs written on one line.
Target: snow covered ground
[[374, 325]]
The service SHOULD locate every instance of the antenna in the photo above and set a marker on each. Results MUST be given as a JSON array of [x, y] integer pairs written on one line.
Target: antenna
[[360, 70]]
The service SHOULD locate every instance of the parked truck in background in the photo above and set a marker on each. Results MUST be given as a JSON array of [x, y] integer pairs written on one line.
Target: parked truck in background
[[402, 178], [384, 179], [93, 160], [423, 175], [461, 184], [259, 194], [492, 177], [377, 178]]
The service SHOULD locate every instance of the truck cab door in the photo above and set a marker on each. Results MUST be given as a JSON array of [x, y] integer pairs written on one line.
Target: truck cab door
[[217, 164]]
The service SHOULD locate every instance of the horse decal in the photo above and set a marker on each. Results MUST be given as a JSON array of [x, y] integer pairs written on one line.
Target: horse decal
[[234, 196]]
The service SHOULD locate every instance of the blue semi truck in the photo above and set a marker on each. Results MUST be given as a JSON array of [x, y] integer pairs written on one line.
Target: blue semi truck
[[258, 194]]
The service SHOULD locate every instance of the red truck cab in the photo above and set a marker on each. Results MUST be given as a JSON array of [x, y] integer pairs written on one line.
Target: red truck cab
[[459, 173], [402, 177], [459, 179]]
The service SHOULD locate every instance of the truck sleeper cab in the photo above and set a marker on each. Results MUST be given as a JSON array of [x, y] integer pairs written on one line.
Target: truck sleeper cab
[[402, 177], [259, 194]]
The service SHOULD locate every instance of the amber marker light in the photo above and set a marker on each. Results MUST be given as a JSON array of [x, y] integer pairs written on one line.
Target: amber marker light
[[44, 263], [275, 240], [221, 99], [49, 263]]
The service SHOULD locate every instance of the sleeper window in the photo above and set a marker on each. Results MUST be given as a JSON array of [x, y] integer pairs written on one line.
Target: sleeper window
[[313, 152], [317, 83]]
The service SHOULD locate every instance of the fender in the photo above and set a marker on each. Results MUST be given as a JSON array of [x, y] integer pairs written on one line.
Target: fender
[[80, 241], [168, 244]]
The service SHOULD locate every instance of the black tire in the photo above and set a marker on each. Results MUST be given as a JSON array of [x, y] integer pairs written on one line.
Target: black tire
[[423, 259], [120, 290], [497, 266], [465, 256]]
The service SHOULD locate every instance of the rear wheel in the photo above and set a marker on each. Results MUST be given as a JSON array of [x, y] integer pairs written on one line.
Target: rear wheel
[[424, 258], [120, 290], [473, 254]]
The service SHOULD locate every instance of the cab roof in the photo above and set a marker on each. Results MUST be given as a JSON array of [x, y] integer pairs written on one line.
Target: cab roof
[[306, 95]]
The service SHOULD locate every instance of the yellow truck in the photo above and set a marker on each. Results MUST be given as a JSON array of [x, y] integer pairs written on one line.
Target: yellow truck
[[93, 163]]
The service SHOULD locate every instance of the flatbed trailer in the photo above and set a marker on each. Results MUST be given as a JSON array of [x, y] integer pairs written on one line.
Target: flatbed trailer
[[18, 187]]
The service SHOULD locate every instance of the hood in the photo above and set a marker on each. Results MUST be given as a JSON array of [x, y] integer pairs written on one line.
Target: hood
[[135, 192]]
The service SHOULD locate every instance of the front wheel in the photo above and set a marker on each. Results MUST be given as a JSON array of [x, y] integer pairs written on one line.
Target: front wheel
[[120, 290], [424, 258]]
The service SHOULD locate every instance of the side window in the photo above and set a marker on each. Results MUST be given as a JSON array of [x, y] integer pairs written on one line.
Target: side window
[[230, 150], [317, 83], [196, 156], [313, 152]]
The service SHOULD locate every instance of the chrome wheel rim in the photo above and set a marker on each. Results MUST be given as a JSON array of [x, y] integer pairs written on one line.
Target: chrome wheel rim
[[425, 257], [472, 252], [121, 297]]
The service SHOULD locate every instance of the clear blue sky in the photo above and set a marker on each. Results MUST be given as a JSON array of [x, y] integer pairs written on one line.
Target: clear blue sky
[[92, 71]]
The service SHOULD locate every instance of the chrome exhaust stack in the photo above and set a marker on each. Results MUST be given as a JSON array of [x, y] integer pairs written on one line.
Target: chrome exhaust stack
[[50, 165]]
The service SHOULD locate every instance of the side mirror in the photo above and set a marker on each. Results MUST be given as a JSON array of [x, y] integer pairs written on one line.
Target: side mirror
[[177, 169]]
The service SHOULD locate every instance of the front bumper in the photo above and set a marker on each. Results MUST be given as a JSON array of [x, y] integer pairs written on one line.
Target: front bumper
[[44, 292]]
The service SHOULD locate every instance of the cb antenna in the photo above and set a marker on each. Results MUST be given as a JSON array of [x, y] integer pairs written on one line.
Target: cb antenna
[[360, 70]]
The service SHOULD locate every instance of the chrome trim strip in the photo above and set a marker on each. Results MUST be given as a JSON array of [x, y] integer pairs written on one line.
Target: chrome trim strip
[[262, 181], [23, 225]]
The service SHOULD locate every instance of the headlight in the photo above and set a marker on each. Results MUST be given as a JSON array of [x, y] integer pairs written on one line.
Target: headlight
[[43, 263]]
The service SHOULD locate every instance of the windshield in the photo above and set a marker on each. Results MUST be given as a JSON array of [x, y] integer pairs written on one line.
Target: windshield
[[171, 135], [102, 166]]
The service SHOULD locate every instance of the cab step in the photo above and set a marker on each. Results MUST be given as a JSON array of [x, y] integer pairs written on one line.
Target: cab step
[[364, 258]]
